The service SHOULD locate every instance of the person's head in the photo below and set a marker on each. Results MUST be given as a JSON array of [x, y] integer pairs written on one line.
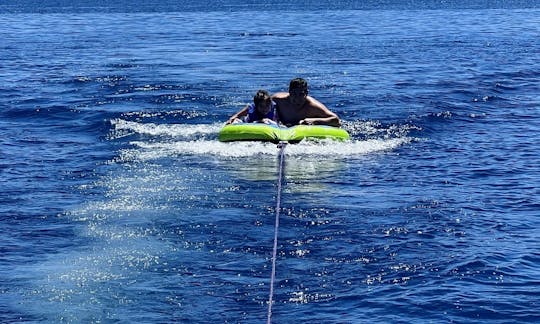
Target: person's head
[[263, 102], [298, 91]]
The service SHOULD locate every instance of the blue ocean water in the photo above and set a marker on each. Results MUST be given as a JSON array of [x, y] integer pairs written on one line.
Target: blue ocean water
[[118, 204]]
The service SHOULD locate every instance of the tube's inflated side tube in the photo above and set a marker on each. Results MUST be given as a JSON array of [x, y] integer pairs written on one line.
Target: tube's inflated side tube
[[274, 133]]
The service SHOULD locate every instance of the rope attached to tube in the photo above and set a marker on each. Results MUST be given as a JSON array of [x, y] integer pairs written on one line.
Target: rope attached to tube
[[281, 146]]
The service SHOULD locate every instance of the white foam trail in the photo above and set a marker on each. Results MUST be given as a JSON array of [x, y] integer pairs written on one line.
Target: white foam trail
[[201, 139], [145, 151], [172, 130], [344, 149], [124, 242]]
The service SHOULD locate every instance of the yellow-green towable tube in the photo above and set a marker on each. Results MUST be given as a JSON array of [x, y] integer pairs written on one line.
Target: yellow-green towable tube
[[275, 133]]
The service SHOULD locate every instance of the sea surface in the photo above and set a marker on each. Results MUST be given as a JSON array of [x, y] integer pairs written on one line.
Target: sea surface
[[119, 205]]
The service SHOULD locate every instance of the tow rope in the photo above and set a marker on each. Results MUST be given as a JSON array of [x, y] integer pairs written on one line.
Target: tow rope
[[281, 146]]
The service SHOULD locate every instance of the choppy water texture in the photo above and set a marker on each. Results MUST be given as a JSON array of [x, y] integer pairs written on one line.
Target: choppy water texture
[[118, 204]]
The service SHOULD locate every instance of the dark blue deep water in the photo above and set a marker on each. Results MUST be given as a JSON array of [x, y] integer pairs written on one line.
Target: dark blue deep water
[[119, 205]]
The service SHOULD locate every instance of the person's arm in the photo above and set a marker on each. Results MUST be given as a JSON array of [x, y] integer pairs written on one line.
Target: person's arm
[[330, 121], [280, 98], [238, 115], [268, 121], [319, 114]]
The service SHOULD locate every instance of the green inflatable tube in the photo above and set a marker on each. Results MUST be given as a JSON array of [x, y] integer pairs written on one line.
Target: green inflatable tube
[[275, 133]]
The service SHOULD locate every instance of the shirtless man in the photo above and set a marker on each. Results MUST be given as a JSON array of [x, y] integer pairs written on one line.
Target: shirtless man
[[297, 108]]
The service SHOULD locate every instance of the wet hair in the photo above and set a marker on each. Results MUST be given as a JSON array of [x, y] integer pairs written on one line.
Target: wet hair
[[298, 83], [261, 96]]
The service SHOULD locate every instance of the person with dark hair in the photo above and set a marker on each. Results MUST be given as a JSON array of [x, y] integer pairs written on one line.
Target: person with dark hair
[[262, 110], [296, 107]]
